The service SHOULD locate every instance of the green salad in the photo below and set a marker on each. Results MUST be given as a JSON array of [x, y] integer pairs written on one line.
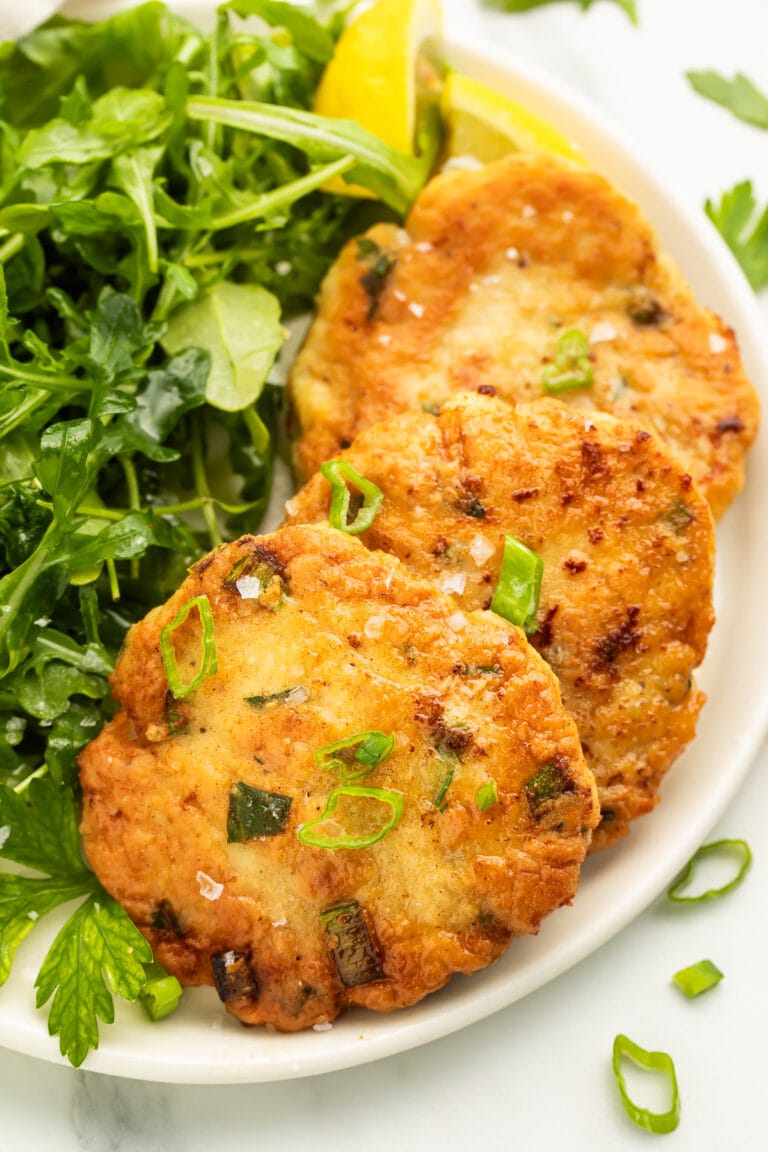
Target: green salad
[[162, 215]]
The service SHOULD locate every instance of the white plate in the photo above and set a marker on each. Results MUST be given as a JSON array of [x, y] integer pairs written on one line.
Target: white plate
[[200, 1043]]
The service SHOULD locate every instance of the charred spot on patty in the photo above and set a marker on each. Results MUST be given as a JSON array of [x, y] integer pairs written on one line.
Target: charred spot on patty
[[233, 976], [620, 639]]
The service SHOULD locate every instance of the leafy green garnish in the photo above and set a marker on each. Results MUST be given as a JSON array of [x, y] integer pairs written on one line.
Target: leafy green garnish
[[629, 6], [739, 95], [40, 832], [149, 259], [744, 229]]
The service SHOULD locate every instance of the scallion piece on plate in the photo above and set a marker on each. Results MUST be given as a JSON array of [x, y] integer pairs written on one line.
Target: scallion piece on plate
[[341, 476], [161, 992], [734, 848], [367, 749], [657, 1122], [208, 659], [517, 592], [254, 813], [487, 795], [572, 367], [311, 835], [697, 978]]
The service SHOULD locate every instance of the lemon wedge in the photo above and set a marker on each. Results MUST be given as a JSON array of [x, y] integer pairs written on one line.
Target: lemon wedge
[[374, 77], [484, 124]]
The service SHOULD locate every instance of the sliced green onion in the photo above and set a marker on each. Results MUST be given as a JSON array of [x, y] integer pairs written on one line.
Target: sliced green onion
[[351, 944], [658, 1122], [739, 848], [161, 992], [517, 592], [208, 660], [487, 795], [444, 786], [254, 813], [572, 367], [339, 475], [366, 748], [697, 978], [307, 834], [293, 696]]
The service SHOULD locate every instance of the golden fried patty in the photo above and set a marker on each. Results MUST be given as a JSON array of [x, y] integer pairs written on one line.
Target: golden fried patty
[[255, 861], [495, 267], [627, 544]]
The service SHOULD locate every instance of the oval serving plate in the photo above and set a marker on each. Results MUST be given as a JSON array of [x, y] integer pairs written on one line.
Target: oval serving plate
[[200, 1043]]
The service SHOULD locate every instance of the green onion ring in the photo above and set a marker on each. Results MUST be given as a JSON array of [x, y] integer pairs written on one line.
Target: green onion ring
[[697, 978], [208, 659], [657, 1122], [517, 592], [572, 367], [161, 992], [383, 795], [339, 474], [717, 846], [374, 747]]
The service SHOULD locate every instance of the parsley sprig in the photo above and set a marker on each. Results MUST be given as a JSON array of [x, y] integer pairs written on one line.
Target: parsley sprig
[[629, 6], [98, 952], [737, 217]]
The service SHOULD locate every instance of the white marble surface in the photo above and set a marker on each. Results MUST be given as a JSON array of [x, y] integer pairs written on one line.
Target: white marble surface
[[536, 1074]]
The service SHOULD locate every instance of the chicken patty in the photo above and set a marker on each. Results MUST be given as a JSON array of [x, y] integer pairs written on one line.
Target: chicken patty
[[313, 796], [494, 273], [627, 544]]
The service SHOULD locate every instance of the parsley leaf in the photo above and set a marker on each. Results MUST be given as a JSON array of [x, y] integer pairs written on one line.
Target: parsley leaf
[[744, 231], [23, 900], [41, 833], [98, 940], [629, 6], [739, 95]]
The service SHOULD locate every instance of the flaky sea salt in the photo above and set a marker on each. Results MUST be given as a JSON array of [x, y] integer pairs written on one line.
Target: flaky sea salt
[[423, 246], [416, 310], [480, 550], [512, 254], [528, 212], [717, 343], [602, 332], [456, 582], [326, 1027], [457, 622], [209, 888], [374, 626], [385, 339], [470, 162], [280, 923], [249, 587], [567, 217]]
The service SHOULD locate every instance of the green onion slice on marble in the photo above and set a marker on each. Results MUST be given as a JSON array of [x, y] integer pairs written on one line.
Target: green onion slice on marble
[[342, 476], [519, 586], [355, 756], [657, 1122], [313, 836], [572, 367], [208, 659], [697, 978], [739, 850]]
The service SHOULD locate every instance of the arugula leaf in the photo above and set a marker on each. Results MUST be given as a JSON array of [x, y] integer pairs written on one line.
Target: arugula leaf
[[739, 95], [99, 940], [308, 35], [393, 176], [629, 6], [239, 325], [744, 231]]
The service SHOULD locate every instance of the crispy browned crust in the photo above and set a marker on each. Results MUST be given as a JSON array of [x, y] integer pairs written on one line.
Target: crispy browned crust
[[375, 648], [627, 543], [495, 265]]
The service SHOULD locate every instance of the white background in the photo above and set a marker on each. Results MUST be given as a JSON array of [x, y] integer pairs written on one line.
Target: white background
[[536, 1075]]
